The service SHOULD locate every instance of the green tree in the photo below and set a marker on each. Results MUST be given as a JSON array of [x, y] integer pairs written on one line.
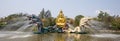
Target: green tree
[[104, 16], [110, 21], [100, 16], [116, 23], [77, 19], [49, 21]]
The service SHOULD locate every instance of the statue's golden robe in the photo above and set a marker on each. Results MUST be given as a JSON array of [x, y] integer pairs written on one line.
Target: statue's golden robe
[[60, 20]]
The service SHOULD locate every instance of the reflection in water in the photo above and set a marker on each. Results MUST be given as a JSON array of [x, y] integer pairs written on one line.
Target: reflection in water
[[24, 36], [70, 37], [60, 37]]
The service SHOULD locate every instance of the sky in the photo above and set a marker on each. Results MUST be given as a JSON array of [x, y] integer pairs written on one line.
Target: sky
[[70, 8]]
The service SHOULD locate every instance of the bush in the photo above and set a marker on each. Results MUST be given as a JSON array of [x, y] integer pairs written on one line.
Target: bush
[[116, 24]]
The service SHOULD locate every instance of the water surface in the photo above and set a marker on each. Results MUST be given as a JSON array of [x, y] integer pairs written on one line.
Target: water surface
[[29, 36]]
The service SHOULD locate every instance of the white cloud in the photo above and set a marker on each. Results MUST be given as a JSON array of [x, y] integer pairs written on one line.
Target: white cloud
[[97, 11]]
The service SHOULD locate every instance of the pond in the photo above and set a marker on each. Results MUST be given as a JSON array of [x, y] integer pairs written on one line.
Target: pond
[[28, 36]]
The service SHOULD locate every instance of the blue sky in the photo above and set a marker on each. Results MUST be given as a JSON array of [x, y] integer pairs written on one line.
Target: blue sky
[[70, 8]]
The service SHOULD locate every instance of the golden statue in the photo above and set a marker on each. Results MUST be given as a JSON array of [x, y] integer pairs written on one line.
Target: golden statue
[[61, 20]]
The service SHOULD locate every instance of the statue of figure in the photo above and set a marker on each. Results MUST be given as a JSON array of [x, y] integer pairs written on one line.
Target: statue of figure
[[61, 20], [81, 28], [84, 22], [36, 20]]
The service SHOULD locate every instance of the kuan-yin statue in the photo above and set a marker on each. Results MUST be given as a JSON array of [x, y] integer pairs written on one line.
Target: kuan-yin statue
[[60, 20]]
